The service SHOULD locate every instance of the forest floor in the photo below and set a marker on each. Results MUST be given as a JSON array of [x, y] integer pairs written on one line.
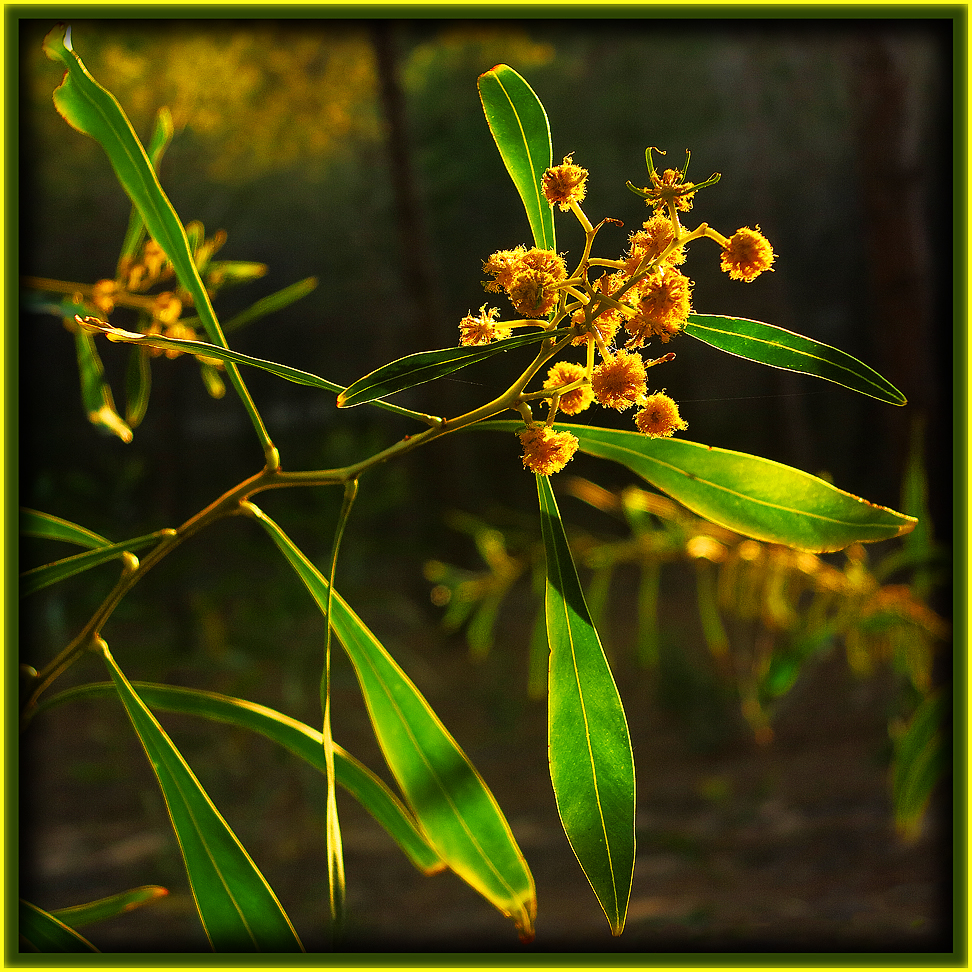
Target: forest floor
[[788, 847]]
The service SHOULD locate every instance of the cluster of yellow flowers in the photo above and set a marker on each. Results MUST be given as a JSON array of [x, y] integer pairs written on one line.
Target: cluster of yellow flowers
[[643, 293]]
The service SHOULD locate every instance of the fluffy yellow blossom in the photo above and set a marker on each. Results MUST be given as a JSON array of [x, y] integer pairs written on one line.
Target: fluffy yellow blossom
[[664, 303], [563, 373], [534, 293], [502, 266], [529, 277], [659, 416], [565, 183], [671, 187], [546, 451], [747, 254], [620, 381], [647, 244], [482, 329]]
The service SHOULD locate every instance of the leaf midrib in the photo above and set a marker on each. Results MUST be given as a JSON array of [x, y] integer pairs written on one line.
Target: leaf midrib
[[580, 695]]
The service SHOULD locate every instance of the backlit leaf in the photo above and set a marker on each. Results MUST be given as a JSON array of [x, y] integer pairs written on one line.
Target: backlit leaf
[[99, 405], [522, 134], [415, 369], [271, 303], [38, 578], [33, 523], [238, 909], [591, 761], [792, 352], [135, 234], [756, 497], [78, 916], [40, 931], [228, 356], [454, 807], [300, 739]]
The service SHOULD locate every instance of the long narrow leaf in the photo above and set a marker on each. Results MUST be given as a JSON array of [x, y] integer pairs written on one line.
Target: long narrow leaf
[[454, 807], [756, 497], [33, 523], [921, 760], [228, 356], [522, 134], [78, 916], [271, 303], [40, 931], [138, 386], [296, 737], [161, 137], [784, 349], [99, 404], [92, 110], [38, 578], [415, 369], [591, 761], [238, 909]]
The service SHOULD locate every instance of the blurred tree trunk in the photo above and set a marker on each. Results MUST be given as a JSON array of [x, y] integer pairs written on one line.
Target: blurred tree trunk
[[439, 481], [416, 258], [904, 176]]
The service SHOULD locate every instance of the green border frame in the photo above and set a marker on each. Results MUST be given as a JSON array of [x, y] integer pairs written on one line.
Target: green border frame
[[958, 15]]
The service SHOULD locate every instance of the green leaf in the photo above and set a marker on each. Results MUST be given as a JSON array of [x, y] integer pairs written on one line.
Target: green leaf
[[222, 273], [33, 523], [454, 807], [138, 386], [228, 356], [792, 352], [42, 932], [87, 914], [92, 110], [522, 134], [159, 142], [296, 737], [238, 909], [921, 759], [591, 761], [271, 303], [95, 390], [756, 497], [415, 369], [38, 578]]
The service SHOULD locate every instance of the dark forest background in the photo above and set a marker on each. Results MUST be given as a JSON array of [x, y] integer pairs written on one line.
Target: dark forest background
[[356, 151]]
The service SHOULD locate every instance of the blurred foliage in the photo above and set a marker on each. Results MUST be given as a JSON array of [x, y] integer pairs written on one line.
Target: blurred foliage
[[257, 96], [767, 614]]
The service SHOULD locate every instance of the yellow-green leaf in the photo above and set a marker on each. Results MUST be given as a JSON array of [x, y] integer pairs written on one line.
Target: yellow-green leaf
[[784, 349], [296, 737], [415, 369], [40, 931], [522, 134], [591, 760], [238, 909], [454, 807], [756, 497], [77, 916], [38, 578], [33, 523]]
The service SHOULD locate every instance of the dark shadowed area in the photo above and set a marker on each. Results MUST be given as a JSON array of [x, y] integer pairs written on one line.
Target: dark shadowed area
[[356, 152]]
